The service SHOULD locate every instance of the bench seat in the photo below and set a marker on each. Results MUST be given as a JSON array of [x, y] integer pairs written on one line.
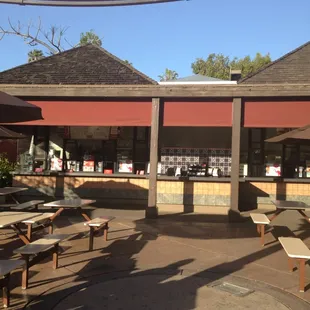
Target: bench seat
[[39, 250], [296, 249], [261, 220], [99, 221], [39, 222], [97, 224], [33, 204], [6, 267], [38, 219]]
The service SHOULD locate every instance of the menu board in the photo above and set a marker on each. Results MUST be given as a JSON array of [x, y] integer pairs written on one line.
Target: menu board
[[273, 170], [93, 132]]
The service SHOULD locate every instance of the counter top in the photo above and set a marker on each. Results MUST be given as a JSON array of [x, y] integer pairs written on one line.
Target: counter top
[[81, 174], [163, 177]]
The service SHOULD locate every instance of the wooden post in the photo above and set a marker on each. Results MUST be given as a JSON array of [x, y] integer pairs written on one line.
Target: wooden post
[[46, 148], [55, 256], [262, 234], [105, 232], [6, 291], [151, 210], [25, 274], [51, 228], [290, 264], [302, 275], [234, 214], [91, 238], [29, 231]]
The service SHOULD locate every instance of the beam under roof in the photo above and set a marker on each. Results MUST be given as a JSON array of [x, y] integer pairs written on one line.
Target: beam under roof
[[162, 91]]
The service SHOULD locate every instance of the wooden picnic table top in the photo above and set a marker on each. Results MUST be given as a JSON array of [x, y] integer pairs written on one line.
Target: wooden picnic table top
[[6, 266], [11, 190], [69, 203], [290, 205], [10, 218]]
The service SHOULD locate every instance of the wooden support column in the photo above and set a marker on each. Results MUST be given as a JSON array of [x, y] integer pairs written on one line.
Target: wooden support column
[[46, 148], [234, 214], [151, 210]]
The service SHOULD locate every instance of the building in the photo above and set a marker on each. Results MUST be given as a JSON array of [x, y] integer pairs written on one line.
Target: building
[[103, 116]]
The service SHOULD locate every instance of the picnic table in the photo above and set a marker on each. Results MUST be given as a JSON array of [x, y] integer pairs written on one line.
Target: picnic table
[[9, 191], [283, 205], [74, 204], [14, 221]]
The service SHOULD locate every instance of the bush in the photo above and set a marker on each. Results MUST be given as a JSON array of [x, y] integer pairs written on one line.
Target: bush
[[6, 169]]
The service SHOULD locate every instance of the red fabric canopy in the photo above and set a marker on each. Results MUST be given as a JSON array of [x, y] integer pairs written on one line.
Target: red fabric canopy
[[94, 113]]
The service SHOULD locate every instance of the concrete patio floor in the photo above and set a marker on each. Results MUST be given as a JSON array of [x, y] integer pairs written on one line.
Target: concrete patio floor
[[175, 262]]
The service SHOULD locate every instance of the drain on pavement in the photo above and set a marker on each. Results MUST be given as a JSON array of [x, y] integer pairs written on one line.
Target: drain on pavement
[[233, 289]]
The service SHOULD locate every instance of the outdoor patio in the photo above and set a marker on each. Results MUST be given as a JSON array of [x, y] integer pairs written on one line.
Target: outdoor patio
[[170, 263]]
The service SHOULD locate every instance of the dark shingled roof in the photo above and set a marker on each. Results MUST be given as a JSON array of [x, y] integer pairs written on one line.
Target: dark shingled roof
[[292, 68], [85, 65]]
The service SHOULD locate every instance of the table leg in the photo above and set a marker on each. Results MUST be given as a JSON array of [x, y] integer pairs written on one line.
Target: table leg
[[29, 231], [55, 256], [290, 264], [262, 234], [6, 291], [86, 217], [91, 238], [25, 273], [20, 234], [276, 214], [56, 214], [258, 228], [302, 262], [304, 215], [51, 228], [105, 232], [14, 199]]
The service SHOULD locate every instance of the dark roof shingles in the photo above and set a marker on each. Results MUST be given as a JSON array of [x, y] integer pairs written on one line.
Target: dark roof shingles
[[85, 65], [292, 68]]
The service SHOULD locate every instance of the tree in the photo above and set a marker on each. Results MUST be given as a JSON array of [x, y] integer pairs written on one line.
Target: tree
[[168, 75], [128, 62], [219, 66], [52, 41], [90, 38], [35, 55]]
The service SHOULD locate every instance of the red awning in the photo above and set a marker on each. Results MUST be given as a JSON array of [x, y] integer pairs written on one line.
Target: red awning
[[198, 113], [276, 114], [94, 113]]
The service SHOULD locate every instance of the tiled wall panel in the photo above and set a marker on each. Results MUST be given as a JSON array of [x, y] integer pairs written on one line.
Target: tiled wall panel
[[184, 157]]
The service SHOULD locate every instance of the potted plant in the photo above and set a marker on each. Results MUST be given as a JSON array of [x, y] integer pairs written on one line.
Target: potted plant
[[6, 169]]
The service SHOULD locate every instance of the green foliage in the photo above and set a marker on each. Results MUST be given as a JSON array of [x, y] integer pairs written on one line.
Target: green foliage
[[35, 55], [90, 37], [168, 75], [6, 168], [128, 62], [219, 66]]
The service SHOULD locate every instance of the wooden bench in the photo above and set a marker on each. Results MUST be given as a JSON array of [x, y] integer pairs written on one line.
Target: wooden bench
[[38, 250], [97, 224], [42, 221], [296, 249], [33, 204], [261, 220], [6, 267]]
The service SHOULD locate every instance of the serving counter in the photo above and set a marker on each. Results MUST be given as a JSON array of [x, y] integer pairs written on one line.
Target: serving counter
[[133, 189]]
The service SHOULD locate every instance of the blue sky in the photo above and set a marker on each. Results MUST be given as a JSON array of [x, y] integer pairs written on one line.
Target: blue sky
[[172, 35]]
